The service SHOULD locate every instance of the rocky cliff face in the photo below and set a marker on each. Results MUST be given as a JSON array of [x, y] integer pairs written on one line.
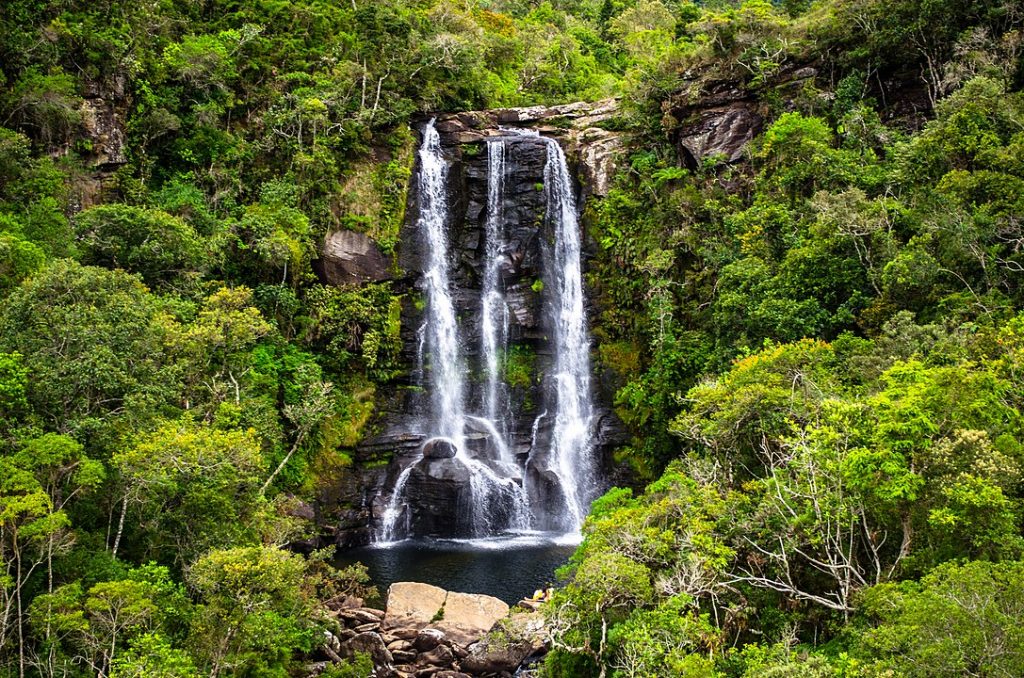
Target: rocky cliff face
[[593, 151], [104, 113]]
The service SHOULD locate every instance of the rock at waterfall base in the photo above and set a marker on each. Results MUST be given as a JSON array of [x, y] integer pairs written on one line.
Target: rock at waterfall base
[[427, 632], [468, 616], [439, 448], [510, 643], [411, 603], [367, 643]]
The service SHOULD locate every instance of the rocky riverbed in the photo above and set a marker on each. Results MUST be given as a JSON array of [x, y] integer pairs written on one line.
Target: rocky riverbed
[[427, 632]]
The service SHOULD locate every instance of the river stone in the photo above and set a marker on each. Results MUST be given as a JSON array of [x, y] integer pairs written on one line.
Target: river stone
[[510, 643], [399, 645], [361, 615], [367, 643], [412, 603], [350, 257], [404, 656], [439, 656], [428, 639], [370, 626], [439, 448], [468, 616]]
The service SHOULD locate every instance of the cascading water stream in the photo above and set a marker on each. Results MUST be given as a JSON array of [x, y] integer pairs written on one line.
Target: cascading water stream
[[497, 503], [442, 338], [494, 311], [571, 443]]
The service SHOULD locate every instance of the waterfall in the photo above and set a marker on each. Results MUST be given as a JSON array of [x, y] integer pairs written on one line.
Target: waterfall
[[494, 311], [442, 337], [571, 444], [497, 500]]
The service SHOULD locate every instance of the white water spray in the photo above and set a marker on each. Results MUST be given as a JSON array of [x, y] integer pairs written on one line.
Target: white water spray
[[571, 439]]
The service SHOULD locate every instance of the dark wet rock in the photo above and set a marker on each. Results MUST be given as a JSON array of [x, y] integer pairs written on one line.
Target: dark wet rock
[[428, 639], [349, 257], [438, 498], [439, 448], [720, 132], [546, 490]]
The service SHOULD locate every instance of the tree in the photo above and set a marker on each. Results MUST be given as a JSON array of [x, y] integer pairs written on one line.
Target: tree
[[192, 487], [18, 259], [214, 350], [140, 611], [27, 522], [960, 620], [94, 340], [65, 473], [255, 613], [161, 248]]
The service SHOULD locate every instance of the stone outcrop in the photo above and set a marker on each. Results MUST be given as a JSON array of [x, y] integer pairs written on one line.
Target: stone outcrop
[[508, 646], [413, 603], [715, 119], [427, 631], [103, 112], [349, 257], [581, 127], [722, 132]]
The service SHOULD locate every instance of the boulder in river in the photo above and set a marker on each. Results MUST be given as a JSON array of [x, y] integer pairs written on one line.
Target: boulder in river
[[468, 616], [412, 602]]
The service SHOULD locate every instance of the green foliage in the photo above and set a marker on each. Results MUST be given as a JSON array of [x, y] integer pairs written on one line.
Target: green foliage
[[518, 366], [93, 339], [254, 613], [959, 619], [18, 259], [816, 343], [159, 247], [356, 327], [193, 487]]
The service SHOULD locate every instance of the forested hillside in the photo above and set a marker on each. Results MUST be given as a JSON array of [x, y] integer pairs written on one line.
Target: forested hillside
[[816, 343]]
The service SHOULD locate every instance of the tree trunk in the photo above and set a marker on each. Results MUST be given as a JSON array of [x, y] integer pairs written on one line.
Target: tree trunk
[[120, 526]]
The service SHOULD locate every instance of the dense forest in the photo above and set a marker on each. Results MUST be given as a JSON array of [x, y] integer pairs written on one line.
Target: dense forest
[[817, 346]]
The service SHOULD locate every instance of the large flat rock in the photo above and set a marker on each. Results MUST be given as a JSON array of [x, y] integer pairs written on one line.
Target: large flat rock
[[469, 616], [413, 604]]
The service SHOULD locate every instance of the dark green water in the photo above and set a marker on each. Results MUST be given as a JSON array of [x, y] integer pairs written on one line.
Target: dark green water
[[507, 568]]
